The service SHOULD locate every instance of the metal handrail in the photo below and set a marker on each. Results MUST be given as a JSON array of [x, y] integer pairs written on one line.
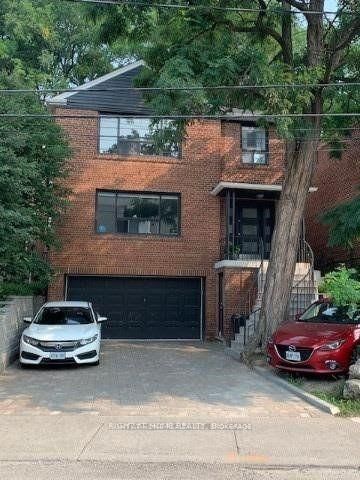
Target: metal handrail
[[304, 255], [253, 290], [232, 250], [306, 284]]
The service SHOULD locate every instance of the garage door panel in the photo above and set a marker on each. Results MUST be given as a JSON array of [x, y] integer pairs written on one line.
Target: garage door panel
[[144, 308]]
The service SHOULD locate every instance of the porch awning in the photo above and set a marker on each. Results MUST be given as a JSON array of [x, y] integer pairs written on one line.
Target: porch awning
[[249, 186]]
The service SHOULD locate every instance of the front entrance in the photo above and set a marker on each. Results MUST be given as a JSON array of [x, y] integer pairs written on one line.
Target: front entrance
[[250, 220], [254, 225]]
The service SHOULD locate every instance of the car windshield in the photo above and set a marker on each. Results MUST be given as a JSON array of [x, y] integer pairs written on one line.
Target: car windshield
[[329, 313], [64, 316]]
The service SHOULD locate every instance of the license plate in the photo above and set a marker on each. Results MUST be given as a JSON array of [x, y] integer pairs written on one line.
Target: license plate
[[58, 356], [294, 356]]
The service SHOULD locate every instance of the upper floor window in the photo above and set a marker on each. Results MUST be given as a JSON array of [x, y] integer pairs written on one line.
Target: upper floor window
[[134, 213], [138, 136], [254, 145]]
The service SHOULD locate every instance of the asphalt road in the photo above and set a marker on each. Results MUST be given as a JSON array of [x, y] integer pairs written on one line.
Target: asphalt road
[[166, 471]]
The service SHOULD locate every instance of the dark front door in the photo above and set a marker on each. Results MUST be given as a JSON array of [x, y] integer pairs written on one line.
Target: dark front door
[[254, 224], [142, 308]]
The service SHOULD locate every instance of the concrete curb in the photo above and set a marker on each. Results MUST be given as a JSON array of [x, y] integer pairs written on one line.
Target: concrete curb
[[308, 397]]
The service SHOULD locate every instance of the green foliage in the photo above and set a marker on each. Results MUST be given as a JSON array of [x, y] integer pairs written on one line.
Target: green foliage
[[344, 222], [207, 47], [342, 286], [7, 289], [32, 164], [348, 408], [42, 44], [50, 43]]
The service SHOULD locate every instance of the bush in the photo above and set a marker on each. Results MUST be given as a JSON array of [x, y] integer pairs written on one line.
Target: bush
[[8, 289], [342, 286]]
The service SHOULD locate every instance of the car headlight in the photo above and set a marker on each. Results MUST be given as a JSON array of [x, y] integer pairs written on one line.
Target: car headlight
[[30, 341], [332, 346], [85, 341]]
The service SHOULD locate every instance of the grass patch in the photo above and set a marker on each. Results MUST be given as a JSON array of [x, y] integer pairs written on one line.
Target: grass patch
[[348, 408], [329, 389], [295, 380]]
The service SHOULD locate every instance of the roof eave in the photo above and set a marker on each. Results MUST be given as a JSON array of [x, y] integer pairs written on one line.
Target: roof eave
[[62, 98]]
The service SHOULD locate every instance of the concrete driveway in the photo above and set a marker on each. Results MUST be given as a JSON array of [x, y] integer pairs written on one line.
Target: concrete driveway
[[175, 406], [164, 379]]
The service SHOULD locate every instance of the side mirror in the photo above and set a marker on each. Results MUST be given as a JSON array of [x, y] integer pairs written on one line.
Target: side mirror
[[27, 319], [101, 319], [297, 317]]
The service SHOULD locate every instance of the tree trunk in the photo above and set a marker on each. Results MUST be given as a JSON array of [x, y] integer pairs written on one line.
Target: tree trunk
[[300, 159]]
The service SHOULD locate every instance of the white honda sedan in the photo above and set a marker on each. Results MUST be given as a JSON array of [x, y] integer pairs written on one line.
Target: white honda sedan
[[62, 332]]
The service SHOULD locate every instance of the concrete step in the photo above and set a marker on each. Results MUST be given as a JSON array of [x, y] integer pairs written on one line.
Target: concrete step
[[236, 348], [232, 353], [301, 267], [239, 337]]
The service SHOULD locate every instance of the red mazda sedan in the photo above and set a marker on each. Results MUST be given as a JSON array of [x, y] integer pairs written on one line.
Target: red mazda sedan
[[324, 339]]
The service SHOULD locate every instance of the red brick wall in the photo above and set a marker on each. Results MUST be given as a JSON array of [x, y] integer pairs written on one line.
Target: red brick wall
[[233, 170], [337, 181], [194, 175], [237, 283]]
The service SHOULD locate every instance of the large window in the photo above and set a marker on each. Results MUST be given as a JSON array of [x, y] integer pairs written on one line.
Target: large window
[[254, 145], [140, 214], [138, 136]]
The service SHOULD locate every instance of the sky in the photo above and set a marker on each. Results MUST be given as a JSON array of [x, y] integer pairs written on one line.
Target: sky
[[331, 5]]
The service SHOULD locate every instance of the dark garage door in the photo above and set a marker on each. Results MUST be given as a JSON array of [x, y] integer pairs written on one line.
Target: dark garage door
[[143, 308]]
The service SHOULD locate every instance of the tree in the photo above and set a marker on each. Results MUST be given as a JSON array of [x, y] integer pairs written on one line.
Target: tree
[[32, 164], [213, 46], [42, 44], [53, 43], [344, 222]]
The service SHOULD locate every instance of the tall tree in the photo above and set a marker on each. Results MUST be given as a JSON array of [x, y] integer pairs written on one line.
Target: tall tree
[[210, 45], [52, 42], [32, 164], [42, 44]]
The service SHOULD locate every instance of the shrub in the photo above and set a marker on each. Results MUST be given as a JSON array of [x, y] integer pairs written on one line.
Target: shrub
[[342, 286]]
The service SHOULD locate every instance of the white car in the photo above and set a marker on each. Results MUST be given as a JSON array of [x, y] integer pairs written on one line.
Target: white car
[[62, 332]]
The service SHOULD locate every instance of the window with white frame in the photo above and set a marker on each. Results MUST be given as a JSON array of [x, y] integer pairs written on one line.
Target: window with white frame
[[254, 145], [138, 136]]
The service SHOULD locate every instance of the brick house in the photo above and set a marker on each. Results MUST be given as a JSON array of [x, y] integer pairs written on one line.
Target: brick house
[[163, 239], [337, 181]]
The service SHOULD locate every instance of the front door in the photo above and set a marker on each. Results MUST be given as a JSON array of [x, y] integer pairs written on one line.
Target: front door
[[254, 225]]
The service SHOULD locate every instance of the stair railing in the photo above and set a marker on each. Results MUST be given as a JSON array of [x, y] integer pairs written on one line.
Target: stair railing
[[254, 295], [304, 292]]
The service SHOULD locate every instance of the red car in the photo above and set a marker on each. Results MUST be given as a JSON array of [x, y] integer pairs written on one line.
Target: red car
[[324, 339]]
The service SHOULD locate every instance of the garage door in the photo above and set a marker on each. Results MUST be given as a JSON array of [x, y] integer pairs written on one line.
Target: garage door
[[143, 308]]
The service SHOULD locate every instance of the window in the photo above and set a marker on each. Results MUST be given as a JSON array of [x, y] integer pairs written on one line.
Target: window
[[64, 316], [139, 214], [254, 143], [139, 136], [329, 313]]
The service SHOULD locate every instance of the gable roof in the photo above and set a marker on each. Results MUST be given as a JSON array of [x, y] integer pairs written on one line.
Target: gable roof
[[86, 98]]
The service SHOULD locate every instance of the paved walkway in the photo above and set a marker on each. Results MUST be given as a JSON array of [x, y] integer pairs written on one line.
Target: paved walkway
[[150, 379], [165, 410]]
